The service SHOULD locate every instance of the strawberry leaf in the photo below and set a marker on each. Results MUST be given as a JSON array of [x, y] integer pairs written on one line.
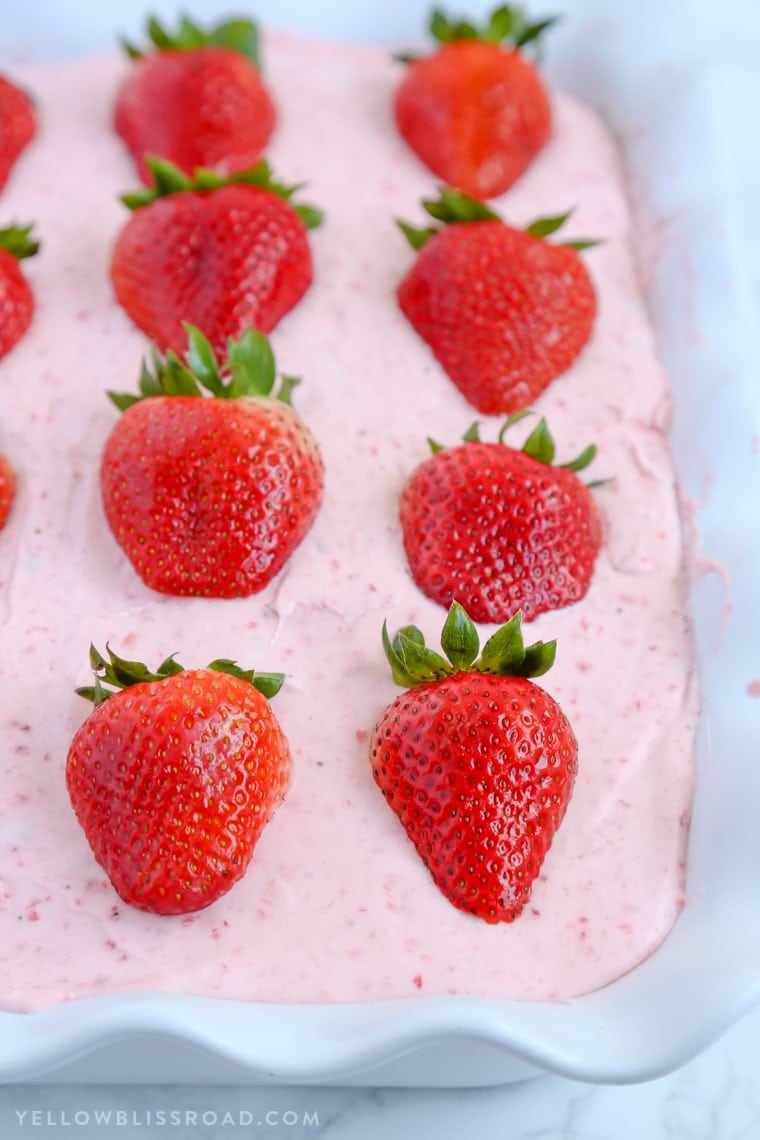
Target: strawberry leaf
[[268, 684], [177, 380], [396, 661], [507, 25], [251, 363], [248, 370], [311, 217], [514, 418], [439, 27], [583, 460], [168, 179], [201, 360], [123, 400], [19, 241], [543, 227], [114, 673], [414, 235], [504, 653], [238, 35], [453, 206], [539, 658], [287, 384], [501, 23], [411, 662], [539, 445], [450, 207], [130, 50], [169, 667], [583, 243], [459, 638], [531, 33], [420, 662], [159, 37], [190, 35]]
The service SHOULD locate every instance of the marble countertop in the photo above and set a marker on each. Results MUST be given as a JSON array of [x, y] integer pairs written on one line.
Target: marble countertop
[[714, 1097]]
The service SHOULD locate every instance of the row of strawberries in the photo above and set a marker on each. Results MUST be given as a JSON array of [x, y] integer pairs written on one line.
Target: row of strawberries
[[504, 311]]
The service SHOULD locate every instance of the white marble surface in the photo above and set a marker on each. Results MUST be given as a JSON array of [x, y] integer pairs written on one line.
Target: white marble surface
[[715, 1097]]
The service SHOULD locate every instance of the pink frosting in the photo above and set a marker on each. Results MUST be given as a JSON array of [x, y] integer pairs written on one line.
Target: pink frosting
[[336, 905]]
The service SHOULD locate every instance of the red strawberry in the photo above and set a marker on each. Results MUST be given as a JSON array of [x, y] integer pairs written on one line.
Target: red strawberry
[[7, 489], [222, 254], [211, 496], [16, 298], [198, 100], [476, 760], [499, 529], [504, 311], [476, 112], [174, 776], [17, 125]]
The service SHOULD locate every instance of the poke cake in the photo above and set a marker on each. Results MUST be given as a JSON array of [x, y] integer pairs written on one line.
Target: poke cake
[[336, 905]]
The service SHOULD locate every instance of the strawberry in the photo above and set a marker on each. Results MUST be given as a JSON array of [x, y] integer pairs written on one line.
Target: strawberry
[[504, 311], [476, 760], [476, 112], [500, 529], [16, 298], [210, 496], [223, 254], [17, 125], [197, 99], [174, 775], [7, 489]]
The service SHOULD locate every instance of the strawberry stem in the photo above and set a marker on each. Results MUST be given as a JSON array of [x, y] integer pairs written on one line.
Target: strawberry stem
[[413, 663], [115, 673], [248, 369], [169, 179]]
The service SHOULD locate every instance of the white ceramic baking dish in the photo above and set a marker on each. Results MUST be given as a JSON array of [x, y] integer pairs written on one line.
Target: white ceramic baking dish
[[673, 84]]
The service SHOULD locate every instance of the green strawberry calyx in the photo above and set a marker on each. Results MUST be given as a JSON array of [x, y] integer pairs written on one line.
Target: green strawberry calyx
[[19, 241], [248, 369], [507, 25], [539, 445], [115, 673], [452, 207], [239, 35], [169, 179], [504, 654]]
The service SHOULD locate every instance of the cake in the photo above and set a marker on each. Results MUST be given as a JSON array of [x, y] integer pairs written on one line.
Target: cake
[[336, 906]]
